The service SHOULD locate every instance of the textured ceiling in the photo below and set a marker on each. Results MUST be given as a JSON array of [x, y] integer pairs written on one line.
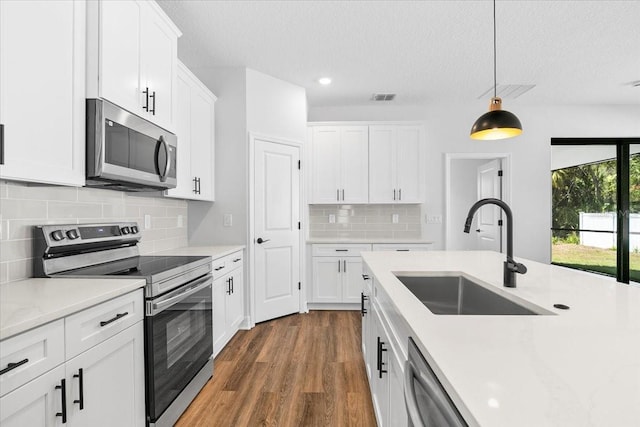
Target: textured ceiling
[[428, 52]]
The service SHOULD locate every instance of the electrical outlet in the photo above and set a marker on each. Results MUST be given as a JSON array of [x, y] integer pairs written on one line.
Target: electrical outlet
[[180, 221], [433, 219], [147, 221], [332, 219], [395, 218], [227, 220]]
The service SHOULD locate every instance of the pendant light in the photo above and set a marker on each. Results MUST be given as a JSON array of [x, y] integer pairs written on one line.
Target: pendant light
[[497, 123]]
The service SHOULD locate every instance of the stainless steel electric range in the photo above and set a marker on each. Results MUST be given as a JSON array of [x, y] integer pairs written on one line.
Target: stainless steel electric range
[[178, 304]]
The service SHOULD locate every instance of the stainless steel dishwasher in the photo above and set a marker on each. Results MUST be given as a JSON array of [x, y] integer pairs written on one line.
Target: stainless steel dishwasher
[[428, 404]]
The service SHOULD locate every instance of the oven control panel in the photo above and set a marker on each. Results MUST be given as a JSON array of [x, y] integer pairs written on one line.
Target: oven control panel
[[73, 234]]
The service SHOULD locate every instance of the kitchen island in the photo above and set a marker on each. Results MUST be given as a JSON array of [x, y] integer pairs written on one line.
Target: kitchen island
[[575, 367]]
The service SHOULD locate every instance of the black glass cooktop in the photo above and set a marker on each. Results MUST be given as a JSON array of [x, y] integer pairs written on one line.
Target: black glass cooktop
[[140, 266]]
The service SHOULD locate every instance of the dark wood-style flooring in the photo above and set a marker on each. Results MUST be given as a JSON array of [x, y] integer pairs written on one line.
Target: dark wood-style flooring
[[299, 370]]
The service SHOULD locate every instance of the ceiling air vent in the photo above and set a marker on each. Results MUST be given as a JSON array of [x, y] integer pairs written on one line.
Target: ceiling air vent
[[507, 91], [383, 96]]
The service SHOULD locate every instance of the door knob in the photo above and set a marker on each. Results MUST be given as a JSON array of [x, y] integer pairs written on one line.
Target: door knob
[[261, 240]]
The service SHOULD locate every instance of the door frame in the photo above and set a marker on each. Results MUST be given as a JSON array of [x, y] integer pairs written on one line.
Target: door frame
[[253, 136], [506, 184]]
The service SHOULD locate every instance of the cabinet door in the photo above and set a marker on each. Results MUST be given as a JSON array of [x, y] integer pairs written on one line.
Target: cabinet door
[[42, 107], [235, 304], [397, 409], [36, 403], [325, 165], [382, 164], [352, 282], [327, 277], [184, 187], [220, 293], [202, 143], [120, 54], [409, 163], [158, 61], [112, 382], [366, 334], [354, 164]]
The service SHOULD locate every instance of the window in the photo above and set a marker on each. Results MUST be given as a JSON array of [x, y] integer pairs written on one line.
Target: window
[[596, 205]]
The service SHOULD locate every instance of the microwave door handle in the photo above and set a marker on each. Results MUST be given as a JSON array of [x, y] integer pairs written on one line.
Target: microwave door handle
[[167, 166]]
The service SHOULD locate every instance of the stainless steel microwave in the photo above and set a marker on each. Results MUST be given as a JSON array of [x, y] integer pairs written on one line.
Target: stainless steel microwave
[[126, 152]]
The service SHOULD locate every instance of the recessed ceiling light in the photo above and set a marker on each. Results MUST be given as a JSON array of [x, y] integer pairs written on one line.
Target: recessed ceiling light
[[324, 81]]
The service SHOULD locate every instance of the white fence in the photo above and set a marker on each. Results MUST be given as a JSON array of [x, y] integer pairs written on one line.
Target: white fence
[[607, 222]]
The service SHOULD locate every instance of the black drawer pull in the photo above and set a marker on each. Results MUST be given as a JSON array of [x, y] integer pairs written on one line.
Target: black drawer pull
[[118, 316], [237, 259], [12, 366], [365, 277], [219, 268], [80, 399], [63, 389], [402, 250], [342, 250]]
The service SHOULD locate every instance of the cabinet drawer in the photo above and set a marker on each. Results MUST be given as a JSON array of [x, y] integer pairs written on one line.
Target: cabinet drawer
[[235, 260], [34, 352], [92, 326], [402, 247], [219, 267], [340, 250]]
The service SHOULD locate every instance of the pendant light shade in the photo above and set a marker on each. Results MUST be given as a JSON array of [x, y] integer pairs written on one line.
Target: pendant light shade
[[497, 123]]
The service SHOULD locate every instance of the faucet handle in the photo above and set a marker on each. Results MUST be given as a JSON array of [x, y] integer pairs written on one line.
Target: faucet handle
[[516, 267]]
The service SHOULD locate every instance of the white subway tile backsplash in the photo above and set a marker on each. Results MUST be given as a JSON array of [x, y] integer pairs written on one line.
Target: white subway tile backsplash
[[365, 221], [26, 205]]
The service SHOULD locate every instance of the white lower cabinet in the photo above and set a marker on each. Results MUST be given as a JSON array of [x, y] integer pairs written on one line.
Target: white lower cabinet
[[228, 299], [337, 273], [385, 368], [101, 386]]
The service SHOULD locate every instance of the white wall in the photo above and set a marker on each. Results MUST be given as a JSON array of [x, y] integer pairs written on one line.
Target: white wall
[[448, 126], [205, 218], [248, 101]]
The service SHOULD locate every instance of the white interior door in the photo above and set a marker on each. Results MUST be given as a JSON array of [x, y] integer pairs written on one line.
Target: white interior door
[[276, 234], [488, 232]]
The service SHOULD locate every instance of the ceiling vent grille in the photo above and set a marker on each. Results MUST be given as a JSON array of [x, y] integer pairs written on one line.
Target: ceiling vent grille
[[507, 91], [383, 96]]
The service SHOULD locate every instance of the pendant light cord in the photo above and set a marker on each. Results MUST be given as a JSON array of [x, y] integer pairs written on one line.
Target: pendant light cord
[[495, 63]]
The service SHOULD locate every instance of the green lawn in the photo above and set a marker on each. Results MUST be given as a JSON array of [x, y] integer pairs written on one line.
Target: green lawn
[[593, 259]]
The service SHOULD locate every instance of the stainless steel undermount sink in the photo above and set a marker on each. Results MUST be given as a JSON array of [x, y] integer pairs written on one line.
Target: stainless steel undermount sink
[[457, 294]]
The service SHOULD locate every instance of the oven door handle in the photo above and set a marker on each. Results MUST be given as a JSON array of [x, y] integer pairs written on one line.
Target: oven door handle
[[199, 284]]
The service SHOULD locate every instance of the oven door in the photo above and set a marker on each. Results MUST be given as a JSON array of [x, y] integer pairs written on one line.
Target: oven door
[[428, 404], [178, 341]]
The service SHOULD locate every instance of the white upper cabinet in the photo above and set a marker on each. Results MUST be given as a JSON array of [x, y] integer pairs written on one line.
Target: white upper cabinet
[[339, 164], [132, 58], [42, 102], [395, 163], [195, 132]]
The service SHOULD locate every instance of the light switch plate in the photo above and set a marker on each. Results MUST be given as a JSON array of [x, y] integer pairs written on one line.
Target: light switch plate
[[332, 219], [147, 221], [227, 220], [395, 218], [180, 221], [433, 219]]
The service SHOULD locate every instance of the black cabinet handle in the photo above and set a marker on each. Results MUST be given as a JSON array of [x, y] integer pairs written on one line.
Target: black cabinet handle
[[63, 389], [342, 250], [379, 359], [199, 188], [233, 289], [118, 316], [380, 362], [338, 266], [343, 194], [229, 286], [261, 240], [153, 97], [402, 250], [400, 194], [237, 259], [12, 366], [219, 268], [80, 399], [195, 185], [145, 107], [363, 298], [344, 265], [365, 277], [338, 195], [394, 194], [1, 144]]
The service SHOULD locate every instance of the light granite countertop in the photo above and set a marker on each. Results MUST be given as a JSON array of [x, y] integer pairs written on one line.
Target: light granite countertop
[[29, 303], [337, 240], [213, 251], [579, 367]]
